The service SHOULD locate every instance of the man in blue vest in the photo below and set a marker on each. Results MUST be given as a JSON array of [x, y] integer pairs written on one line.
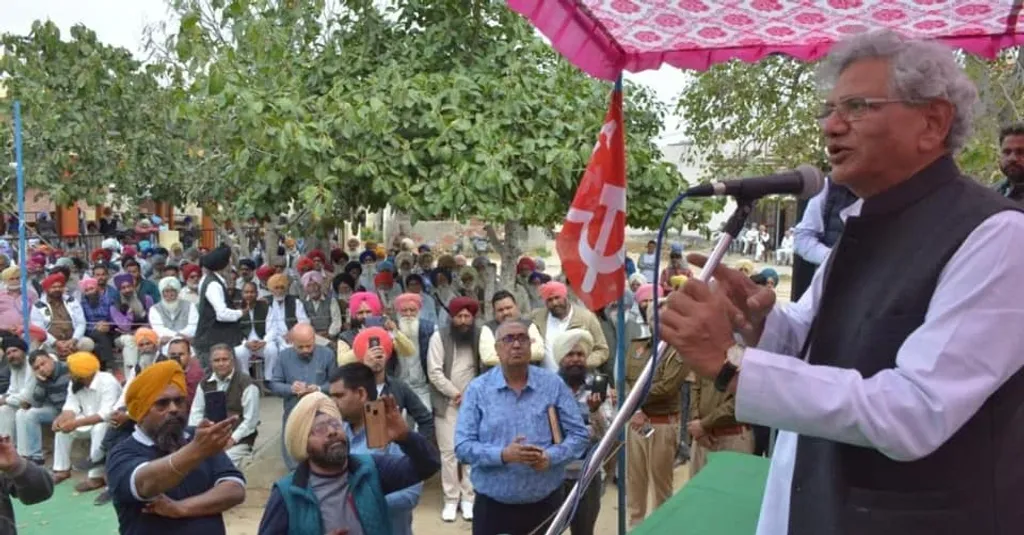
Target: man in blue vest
[[336, 493]]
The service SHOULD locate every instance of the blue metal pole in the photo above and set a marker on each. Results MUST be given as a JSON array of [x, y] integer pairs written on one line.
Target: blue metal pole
[[620, 388], [620, 384], [22, 253]]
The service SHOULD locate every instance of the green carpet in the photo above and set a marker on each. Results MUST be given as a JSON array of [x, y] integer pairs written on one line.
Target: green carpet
[[66, 512], [724, 499]]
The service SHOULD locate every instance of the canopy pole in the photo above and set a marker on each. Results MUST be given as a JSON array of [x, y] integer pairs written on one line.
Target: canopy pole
[[22, 254], [620, 375]]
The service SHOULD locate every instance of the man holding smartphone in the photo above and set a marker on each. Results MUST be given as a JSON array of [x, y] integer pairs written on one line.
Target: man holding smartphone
[[228, 393], [570, 350]]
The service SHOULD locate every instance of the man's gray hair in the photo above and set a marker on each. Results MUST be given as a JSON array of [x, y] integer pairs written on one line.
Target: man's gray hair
[[221, 347], [921, 71]]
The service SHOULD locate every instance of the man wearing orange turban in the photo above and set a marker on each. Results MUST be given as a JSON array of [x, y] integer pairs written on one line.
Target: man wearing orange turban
[[558, 316], [159, 466], [90, 402]]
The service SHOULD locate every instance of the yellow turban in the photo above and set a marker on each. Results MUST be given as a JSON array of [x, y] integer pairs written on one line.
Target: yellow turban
[[745, 266], [300, 422], [677, 281], [11, 273], [279, 280], [83, 365], [381, 252], [149, 384], [146, 334]]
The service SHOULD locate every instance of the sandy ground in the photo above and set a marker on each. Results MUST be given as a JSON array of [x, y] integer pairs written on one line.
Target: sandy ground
[[245, 519]]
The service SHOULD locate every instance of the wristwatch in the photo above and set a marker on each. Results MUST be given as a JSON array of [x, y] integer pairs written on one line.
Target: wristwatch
[[733, 359]]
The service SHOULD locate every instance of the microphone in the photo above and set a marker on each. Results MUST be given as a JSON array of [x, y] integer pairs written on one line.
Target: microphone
[[804, 181]]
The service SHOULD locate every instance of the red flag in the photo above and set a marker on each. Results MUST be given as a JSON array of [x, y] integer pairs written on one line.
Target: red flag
[[592, 242]]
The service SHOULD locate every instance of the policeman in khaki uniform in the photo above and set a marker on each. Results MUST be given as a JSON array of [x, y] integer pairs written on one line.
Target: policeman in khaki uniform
[[713, 424], [653, 435]]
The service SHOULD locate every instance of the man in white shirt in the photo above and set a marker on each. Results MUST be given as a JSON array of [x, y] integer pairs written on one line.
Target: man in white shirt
[[506, 309], [285, 312], [90, 403], [902, 412], [173, 317], [22, 382], [239, 396]]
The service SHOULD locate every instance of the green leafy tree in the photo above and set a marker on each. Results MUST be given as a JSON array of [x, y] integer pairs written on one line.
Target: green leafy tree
[[92, 116], [443, 108], [748, 119]]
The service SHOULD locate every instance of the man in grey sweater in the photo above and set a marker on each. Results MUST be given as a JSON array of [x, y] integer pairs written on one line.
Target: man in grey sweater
[[300, 369], [49, 393], [21, 479]]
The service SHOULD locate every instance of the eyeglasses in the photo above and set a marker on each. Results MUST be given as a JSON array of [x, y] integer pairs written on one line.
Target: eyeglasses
[[854, 108], [510, 339], [324, 428]]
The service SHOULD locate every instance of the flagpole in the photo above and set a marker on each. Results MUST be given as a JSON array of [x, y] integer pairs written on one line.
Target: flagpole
[[22, 253], [620, 380]]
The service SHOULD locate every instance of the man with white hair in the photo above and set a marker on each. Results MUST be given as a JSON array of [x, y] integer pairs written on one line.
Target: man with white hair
[[173, 317], [411, 367], [22, 382], [902, 412]]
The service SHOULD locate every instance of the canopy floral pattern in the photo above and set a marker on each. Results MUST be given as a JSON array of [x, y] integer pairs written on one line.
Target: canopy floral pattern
[[605, 37]]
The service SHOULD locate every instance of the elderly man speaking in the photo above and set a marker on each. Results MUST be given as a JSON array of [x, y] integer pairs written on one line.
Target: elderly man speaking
[[897, 376], [164, 480]]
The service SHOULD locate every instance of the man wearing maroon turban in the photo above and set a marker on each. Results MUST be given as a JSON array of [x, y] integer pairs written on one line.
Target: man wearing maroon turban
[[61, 315], [453, 360]]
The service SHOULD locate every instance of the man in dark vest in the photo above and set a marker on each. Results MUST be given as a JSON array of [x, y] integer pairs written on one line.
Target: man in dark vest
[[253, 326], [1011, 161], [901, 413], [507, 309], [818, 230], [229, 394], [218, 322], [453, 360]]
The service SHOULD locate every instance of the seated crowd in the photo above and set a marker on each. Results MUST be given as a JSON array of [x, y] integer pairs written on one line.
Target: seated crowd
[[159, 360]]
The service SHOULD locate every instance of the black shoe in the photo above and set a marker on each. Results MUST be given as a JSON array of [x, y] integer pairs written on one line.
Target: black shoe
[[103, 498], [38, 461]]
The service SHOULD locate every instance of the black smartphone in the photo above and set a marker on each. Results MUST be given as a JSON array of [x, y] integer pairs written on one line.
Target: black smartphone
[[599, 386], [216, 406], [373, 321], [374, 342]]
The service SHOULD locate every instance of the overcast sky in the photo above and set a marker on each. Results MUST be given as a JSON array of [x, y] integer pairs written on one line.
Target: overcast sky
[[121, 23]]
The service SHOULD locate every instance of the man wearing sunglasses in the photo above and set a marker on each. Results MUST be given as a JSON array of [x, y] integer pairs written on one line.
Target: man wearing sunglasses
[[165, 479]]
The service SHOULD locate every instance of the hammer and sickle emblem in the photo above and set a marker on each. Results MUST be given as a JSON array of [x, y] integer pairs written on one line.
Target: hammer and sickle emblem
[[597, 260]]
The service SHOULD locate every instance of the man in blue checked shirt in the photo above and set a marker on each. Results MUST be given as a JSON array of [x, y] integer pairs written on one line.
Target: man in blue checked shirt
[[503, 433]]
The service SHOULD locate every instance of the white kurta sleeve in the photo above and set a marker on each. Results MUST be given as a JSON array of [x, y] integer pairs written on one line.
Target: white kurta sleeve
[[939, 381]]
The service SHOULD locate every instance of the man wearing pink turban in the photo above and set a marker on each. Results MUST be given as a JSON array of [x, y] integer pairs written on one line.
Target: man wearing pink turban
[[364, 307], [411, 367], [558, 316]]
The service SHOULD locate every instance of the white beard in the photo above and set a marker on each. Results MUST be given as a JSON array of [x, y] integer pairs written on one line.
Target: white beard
[[172, 306], [410, 327]]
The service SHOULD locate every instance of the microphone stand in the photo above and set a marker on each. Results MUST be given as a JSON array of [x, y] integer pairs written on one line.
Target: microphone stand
[[744, 206]]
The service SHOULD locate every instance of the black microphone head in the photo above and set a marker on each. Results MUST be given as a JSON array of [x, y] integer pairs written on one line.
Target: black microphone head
[[813, 179]]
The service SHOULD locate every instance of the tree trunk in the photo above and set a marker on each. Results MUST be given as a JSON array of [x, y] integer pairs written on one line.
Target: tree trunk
[[270, 239], [508, 249]]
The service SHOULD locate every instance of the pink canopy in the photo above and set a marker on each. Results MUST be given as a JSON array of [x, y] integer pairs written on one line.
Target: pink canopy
[[606, 37]]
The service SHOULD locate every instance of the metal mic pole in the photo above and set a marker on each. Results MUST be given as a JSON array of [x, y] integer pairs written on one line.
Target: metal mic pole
[[732, 229]]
